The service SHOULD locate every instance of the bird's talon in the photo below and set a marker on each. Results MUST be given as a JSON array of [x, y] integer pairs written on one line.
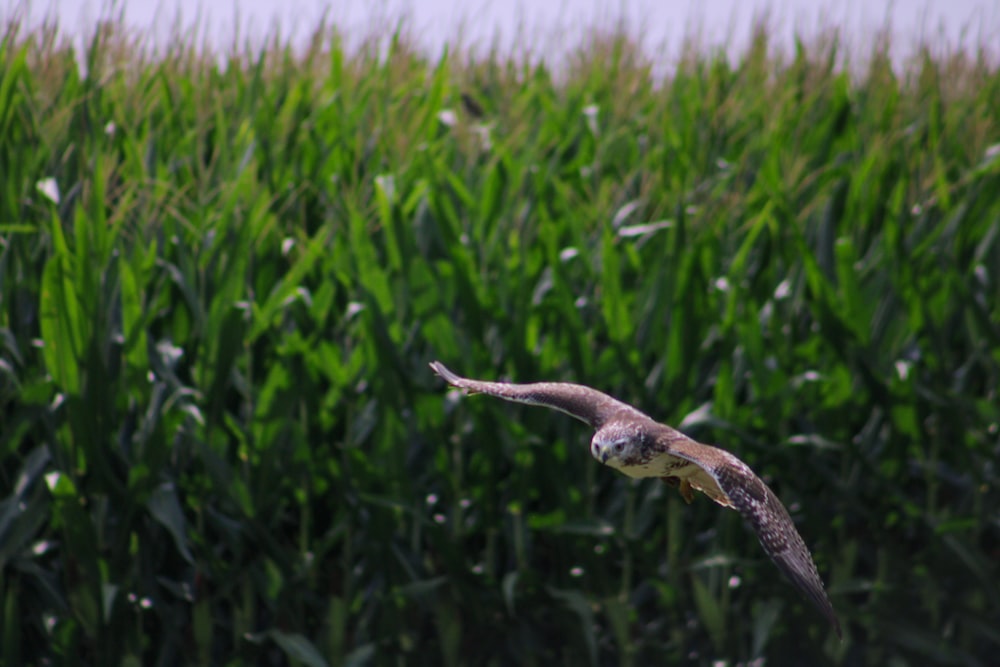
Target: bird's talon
[[686, 492]]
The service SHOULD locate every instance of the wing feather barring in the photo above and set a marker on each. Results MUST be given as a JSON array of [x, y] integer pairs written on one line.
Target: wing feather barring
[[637, 446]]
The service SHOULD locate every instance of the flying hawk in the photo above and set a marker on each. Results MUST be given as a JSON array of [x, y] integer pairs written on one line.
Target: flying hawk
[[634, 444]]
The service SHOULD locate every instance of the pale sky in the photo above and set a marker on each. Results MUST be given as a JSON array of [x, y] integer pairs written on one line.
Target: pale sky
[[550, 25]]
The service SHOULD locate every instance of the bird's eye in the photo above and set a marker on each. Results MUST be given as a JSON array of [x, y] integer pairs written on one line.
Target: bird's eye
[[619, 447]]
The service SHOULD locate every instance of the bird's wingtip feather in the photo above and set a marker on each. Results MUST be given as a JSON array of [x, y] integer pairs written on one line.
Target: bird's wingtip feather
[[811, 586], [443, 371]]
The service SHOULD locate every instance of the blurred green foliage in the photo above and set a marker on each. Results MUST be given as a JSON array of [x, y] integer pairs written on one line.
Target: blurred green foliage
[[221, 280]]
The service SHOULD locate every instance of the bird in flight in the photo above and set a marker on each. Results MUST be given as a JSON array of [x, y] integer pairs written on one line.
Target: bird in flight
[[632, 443]]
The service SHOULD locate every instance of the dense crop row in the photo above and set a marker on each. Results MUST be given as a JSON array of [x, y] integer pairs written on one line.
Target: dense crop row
[[220, 287]]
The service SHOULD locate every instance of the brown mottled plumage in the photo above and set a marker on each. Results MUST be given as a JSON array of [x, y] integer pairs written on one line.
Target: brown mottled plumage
[[634, 444]]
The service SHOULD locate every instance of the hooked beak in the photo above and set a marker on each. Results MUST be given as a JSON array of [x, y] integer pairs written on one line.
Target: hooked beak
[[604, 457]]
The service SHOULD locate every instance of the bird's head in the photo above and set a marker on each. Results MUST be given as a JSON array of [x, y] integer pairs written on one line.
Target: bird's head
[[617, 444]]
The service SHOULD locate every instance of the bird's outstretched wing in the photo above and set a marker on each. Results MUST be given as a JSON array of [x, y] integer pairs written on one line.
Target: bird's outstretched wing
[[750, 496], [586, 404]]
